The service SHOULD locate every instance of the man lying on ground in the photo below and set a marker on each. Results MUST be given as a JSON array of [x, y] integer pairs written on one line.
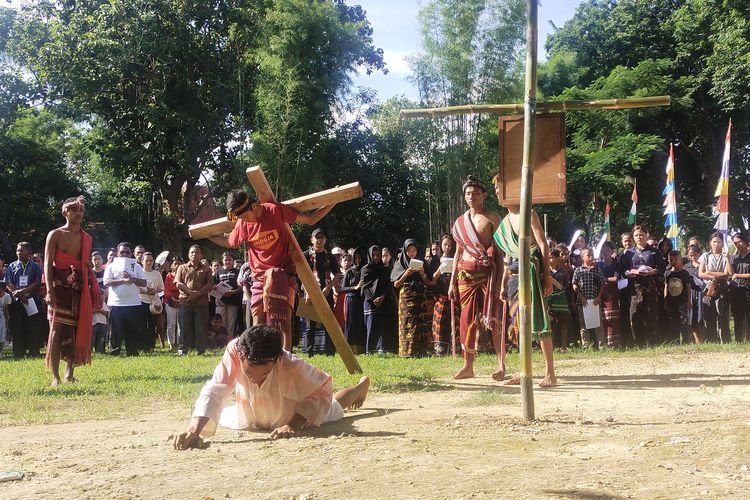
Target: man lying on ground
[[274, 390]]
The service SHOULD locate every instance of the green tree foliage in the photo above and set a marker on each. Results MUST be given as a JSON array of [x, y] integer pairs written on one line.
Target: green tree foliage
[[470, 54], [34, 161], [692, 50], [175, 89]]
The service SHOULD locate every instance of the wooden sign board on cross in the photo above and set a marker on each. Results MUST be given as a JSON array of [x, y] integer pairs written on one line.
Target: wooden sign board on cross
[[549, 159], [304, 272]]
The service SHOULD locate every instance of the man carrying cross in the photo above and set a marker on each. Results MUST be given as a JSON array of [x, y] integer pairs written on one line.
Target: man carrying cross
[[262, 227]]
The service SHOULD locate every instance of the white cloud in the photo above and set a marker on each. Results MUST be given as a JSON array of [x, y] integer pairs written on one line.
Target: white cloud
[[396, 62]]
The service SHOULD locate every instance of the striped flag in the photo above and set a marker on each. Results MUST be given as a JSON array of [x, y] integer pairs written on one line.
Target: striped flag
[[670, 201], [606, 222], [634, 197], [722, 189]]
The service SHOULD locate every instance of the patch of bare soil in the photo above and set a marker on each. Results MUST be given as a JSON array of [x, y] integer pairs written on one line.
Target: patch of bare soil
[[671, 426]]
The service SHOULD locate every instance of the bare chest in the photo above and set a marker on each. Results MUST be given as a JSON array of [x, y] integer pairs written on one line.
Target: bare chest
[[70, 243], [484, 227]]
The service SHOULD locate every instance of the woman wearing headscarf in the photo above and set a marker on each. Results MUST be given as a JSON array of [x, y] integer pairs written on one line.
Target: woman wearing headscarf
[[376, 294], [414, 334], [355, 328], [442, 316]]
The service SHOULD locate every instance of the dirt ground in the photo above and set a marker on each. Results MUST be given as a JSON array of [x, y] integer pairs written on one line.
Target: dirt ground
[[670, 426]]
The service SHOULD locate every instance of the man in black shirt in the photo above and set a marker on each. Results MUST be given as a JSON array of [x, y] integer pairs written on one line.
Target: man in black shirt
[[328, 273], [228, 305], [646, 266], [739, 286], [677, 295]]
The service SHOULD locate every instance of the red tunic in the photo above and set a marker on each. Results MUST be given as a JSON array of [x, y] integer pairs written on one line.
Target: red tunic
[[267, 239]]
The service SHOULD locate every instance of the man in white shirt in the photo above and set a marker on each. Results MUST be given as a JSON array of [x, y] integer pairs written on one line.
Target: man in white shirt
[[274, 390], [122, 278]]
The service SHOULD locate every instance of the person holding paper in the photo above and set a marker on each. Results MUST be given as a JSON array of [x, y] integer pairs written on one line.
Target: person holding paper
[[476, 276], [408, 276], [588, 284], [23, 279], [72, 292], [123, 277], [609, 268]]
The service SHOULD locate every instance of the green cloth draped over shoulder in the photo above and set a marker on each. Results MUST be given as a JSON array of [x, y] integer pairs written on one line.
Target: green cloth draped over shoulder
[[507, 239]]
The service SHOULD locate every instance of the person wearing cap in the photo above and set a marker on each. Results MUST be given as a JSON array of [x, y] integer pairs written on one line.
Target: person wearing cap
[[262, 226], [327, 271]]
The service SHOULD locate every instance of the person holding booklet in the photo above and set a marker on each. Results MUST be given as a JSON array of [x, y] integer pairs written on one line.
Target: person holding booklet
[[408, 276], [123, 277]]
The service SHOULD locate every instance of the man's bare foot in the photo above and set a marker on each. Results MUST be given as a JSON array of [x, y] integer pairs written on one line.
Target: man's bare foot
[[548, 381], [499, 375], [363, 387], [55, 382], [464, 372], [353, 397], [514, 380]]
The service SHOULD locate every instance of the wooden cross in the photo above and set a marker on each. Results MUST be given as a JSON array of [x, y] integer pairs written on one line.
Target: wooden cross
[[305, 273]]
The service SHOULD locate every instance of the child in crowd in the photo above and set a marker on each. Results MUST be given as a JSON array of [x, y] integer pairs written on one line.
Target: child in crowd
[[218, 338], [587, 284], [692, 266], [100, 327], [677, 295], [558, 302], [5, 301], [610, 295]]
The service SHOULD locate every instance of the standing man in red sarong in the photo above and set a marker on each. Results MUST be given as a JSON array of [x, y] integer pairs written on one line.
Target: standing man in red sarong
[[263, 227], [72, 292], [477, 269]]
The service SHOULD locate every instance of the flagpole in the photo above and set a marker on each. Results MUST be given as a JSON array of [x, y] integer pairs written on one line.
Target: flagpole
[[524, 236]]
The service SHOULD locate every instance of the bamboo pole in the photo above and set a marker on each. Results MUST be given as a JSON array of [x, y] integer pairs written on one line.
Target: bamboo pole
[[524, 237], [542, 107]]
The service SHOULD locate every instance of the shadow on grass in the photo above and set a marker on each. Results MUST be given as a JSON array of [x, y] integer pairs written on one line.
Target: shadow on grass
[[652, 381]]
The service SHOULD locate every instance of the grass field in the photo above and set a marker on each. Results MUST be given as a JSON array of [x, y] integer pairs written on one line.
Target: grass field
[[120, 387]]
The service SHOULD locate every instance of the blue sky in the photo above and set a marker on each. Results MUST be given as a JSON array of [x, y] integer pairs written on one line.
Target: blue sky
[[396, 31]]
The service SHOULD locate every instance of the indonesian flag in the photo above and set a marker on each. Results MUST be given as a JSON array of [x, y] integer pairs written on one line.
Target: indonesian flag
[[722, 189], [634, 197]]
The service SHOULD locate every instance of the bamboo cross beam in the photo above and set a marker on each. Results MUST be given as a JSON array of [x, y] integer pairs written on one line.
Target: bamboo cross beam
[[305, 274], [541, 107], [302, 204]]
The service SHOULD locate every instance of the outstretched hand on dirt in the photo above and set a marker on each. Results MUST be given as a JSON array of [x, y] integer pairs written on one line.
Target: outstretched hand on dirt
[[187, 440]]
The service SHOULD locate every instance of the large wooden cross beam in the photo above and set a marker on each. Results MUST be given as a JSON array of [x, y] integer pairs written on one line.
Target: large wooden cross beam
[[305, 273]]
